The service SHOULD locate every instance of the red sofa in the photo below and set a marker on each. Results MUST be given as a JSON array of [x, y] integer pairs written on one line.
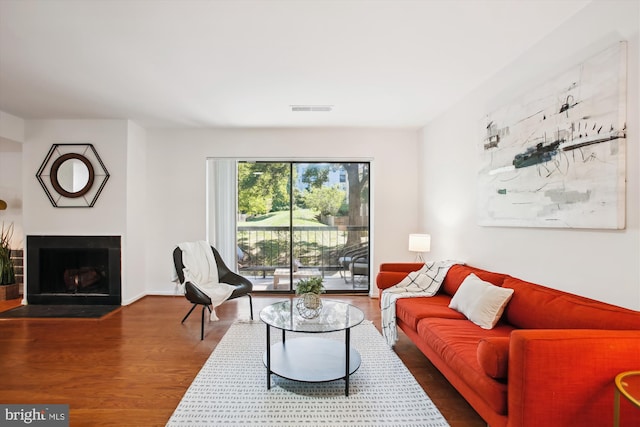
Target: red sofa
[[550, 361]]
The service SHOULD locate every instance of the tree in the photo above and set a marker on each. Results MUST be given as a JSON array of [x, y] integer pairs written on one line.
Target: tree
[[326, 200], [358, 178], [315, 176], [263, 187]]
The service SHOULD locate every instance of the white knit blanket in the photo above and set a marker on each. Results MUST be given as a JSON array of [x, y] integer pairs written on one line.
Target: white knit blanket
[[201, 269], [420, 283]]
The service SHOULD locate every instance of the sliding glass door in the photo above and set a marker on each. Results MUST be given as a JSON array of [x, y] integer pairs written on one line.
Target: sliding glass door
[[303, 219]]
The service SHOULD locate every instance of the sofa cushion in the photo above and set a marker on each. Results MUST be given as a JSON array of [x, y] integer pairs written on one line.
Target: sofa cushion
[[456, 342], [537, 307], [493, 356], [411, 310], [482, 302], [459, 272]]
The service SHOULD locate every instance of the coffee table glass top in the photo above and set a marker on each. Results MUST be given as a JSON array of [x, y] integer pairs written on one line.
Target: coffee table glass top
[[334, 316]]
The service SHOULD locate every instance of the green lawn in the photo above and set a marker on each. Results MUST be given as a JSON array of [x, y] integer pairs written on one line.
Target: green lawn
[[278, 219]]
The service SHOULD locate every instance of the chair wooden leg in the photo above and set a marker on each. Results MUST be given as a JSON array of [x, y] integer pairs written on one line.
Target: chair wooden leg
[[189, 313]]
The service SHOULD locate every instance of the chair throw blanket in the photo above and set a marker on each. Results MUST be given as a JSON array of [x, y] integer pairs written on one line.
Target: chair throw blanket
[[200, 268], [420, 283]]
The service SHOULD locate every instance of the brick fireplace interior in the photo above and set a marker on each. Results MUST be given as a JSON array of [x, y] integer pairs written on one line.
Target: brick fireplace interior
[[74, 270]]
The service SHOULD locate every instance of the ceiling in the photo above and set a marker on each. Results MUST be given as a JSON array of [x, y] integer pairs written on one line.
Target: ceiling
[[245, 63]]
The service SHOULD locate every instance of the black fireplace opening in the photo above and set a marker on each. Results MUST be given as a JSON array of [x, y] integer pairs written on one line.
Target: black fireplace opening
[[74, 270]]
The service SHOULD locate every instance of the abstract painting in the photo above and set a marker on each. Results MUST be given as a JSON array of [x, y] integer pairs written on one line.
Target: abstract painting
[[556, 156]]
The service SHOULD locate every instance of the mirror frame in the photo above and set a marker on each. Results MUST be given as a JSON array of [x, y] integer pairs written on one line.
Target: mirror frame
[[47, 175], [54, 175]]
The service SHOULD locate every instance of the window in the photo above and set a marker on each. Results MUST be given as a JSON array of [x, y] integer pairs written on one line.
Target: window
[[303, 219]]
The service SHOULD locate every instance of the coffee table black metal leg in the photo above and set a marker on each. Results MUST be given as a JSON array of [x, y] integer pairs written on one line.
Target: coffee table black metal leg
[[347, 351], [268, 357]]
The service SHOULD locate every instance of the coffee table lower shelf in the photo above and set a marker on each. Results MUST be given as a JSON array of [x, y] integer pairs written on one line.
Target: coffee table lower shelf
[[311, 360]]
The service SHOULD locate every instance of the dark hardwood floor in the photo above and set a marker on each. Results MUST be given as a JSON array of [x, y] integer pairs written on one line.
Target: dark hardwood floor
[[132, 367]]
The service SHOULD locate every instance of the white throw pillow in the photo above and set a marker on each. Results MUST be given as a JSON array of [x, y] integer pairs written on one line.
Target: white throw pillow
[[482, 302]]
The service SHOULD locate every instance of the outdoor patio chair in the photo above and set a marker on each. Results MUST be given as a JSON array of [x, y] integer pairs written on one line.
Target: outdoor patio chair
[[359, 264], [347, 255], [242, 286]]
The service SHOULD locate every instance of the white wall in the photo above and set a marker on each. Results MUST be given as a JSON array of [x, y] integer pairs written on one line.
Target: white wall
[[116, 141], [155, 196], [134, 239], [107, 217], [176, 162], [11, 189], [11, 127], [599, 264], [11, 139]]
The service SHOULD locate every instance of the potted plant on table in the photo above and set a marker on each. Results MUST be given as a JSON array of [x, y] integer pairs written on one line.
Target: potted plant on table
[[309, 291], [7, 274]]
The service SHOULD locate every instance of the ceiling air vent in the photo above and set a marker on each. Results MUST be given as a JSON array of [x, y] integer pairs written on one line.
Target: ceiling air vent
[[311, 108]]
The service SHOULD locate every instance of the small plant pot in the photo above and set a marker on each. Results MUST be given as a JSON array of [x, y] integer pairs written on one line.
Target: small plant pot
[[309, 305], [8, 292], [311, 301]]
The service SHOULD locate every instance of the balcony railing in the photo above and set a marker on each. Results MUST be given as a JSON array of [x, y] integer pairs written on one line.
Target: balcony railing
[[267, 248]]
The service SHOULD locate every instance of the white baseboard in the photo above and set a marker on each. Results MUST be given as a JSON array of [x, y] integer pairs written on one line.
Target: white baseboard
[[134, 299]]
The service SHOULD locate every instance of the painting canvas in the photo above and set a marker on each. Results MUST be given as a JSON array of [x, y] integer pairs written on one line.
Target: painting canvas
[[556, 156]]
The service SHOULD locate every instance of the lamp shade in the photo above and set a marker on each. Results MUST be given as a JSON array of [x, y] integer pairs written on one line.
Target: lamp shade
[[419, 242]]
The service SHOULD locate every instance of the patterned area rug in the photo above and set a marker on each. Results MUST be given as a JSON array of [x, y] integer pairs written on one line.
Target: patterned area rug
[[231, 388]]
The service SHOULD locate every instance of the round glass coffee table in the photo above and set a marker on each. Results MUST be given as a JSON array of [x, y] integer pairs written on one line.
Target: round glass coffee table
[[311, 359]]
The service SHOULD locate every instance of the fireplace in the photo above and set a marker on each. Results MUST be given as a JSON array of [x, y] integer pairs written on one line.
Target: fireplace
[[74, 270]]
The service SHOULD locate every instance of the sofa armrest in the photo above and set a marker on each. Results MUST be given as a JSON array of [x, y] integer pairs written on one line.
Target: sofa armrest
[[402, 267], [386, 279], [392, 273], [566, 377]]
